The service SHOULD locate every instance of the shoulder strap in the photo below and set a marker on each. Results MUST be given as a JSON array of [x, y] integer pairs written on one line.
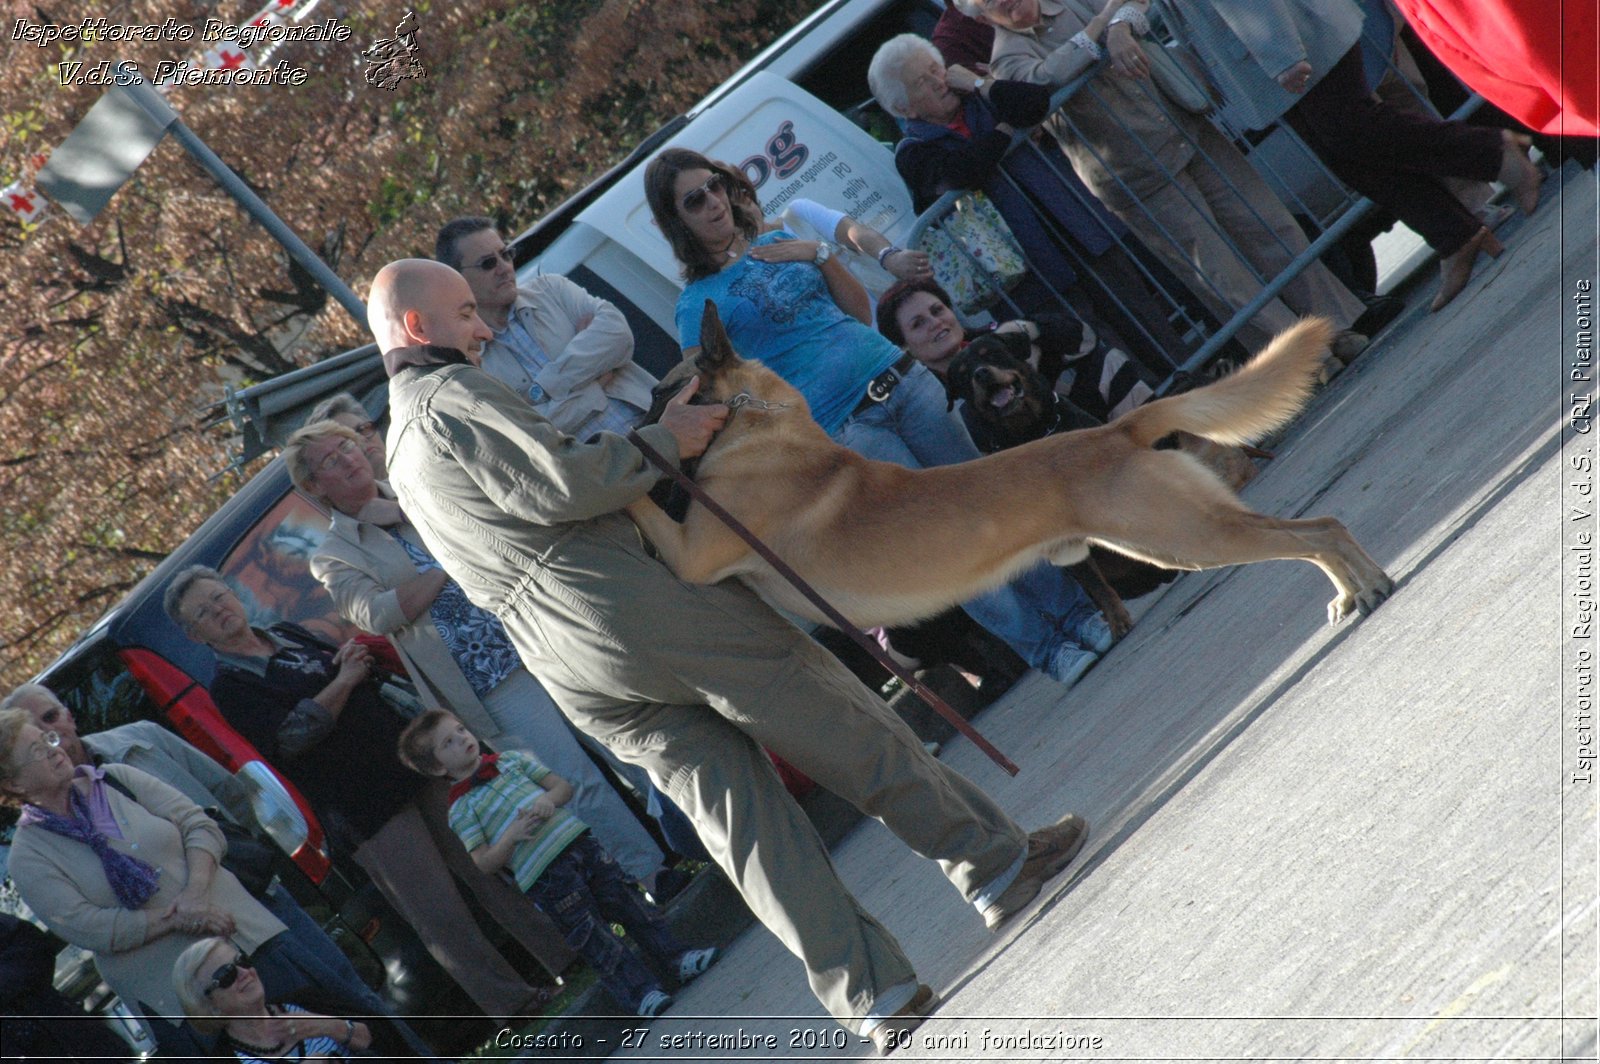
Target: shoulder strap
[[117, 785]]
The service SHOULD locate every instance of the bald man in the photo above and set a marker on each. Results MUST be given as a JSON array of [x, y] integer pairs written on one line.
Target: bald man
[[687, 681]]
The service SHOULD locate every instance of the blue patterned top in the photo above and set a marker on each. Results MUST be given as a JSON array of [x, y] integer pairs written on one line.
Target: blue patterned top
[[782, 314], [475, 637]]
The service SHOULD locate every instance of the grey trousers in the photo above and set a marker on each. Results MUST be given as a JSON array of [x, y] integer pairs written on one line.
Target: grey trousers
[[1196, 204], [723, 676], [411, 859]]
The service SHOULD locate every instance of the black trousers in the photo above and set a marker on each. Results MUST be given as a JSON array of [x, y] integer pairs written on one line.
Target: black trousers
[[1396, 158]]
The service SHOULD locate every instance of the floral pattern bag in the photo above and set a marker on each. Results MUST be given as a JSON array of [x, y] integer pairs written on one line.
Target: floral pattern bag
[[974, 254]]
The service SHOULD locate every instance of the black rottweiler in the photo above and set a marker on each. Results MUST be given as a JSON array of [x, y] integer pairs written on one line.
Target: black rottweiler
[[1009, 403]]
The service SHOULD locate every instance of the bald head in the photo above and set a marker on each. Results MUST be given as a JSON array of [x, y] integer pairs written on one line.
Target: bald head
[[405, 285]]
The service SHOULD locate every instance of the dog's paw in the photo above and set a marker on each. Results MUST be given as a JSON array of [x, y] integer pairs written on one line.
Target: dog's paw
[[1363, 601], [1119, 620], [1374, 596]]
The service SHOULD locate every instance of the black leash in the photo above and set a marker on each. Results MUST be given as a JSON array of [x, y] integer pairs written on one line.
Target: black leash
[[835, 618]]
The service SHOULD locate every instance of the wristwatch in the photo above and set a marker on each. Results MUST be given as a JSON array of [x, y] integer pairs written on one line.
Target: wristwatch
[[977, 84], [824, 252]]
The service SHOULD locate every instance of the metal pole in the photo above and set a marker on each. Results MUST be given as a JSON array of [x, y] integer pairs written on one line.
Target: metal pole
[[129, 79]]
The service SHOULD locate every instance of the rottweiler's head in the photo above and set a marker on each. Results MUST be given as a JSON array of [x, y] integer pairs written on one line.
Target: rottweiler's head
[[1003, 391]]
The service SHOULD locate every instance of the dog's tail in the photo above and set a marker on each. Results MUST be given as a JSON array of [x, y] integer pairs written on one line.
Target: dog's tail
[[1262, 395]]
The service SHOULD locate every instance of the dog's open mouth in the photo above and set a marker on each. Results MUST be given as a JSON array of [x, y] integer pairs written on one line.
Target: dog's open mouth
[[1004, 398]]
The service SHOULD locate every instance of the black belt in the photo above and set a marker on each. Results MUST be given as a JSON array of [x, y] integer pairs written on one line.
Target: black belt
[[883, 385]]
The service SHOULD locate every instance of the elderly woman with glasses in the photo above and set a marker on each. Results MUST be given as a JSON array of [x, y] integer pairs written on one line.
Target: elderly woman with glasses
[[220, 990], [384, 580], [117, 862], [958, 128], [346, 410], [317, 712], [788, 303]]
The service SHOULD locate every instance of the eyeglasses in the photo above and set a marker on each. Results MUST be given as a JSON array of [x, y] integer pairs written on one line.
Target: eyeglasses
[[47, 744], [346, 449], [203, 612], [366, 429], [224, 977], [490, 261], [695, 200]]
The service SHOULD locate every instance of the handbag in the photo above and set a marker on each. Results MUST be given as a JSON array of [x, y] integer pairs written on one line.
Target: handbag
[[1178, 73], [974, 254], [252, 860]]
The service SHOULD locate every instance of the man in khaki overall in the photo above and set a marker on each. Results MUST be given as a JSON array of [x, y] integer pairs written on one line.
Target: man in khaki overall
[[687, 681]]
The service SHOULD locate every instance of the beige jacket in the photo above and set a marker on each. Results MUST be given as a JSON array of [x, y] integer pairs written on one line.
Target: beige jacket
[[585, 337], [63, 883], [361, 566], [1046, 55]]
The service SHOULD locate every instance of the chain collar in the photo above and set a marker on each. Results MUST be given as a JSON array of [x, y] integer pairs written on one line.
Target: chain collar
[[746, 399]]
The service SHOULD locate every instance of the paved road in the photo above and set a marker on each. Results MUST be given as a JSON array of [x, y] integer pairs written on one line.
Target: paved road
[[1350, 843]]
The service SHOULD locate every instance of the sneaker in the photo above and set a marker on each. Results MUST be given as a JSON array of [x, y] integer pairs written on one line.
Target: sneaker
[[654, 1004], [695, 962], [895, 1031], [1068, 664], [1050, 850], [1095, 634]]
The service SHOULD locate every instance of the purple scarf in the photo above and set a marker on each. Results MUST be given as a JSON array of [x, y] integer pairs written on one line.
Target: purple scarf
[[132, 880]]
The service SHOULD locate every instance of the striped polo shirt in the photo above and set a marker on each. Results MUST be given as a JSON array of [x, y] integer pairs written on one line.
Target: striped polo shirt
[[482, 814]]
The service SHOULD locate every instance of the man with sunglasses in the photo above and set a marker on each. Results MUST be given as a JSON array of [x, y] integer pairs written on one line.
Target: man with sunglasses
[[568, 352]]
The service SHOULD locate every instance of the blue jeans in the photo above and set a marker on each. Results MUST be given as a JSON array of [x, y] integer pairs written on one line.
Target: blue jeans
[[1038, 611], [305, 966], [583, 891]]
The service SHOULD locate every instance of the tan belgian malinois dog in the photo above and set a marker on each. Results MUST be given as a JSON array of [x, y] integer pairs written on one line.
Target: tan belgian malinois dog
[[889, 545]]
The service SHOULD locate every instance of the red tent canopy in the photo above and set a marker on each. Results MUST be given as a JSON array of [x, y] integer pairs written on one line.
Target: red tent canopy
[[1534, 59]]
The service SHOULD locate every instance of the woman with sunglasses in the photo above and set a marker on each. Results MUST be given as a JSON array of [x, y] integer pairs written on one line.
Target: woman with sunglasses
[[119, 863], [789, 303], [221, 992]]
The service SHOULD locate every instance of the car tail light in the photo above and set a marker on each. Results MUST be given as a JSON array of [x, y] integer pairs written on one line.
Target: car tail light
[[188, 705]]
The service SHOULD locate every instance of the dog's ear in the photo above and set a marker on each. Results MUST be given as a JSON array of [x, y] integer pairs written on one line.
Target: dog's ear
[[1015, 344], [715, 347], [958, 377]]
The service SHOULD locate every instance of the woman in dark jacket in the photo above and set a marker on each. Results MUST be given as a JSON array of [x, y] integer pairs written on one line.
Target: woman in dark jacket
[[316, 712], [958, 127]]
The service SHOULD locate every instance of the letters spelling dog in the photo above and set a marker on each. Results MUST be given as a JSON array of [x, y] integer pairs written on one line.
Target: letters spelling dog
[[889, 545]]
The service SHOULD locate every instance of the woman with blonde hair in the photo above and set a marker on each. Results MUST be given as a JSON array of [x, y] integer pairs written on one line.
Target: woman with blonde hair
[[220, 991]]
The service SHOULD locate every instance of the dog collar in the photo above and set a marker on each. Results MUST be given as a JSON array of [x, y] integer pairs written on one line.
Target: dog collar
[[746, 399]]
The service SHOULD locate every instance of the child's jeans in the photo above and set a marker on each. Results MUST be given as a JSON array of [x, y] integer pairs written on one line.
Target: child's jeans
[[583, 891]]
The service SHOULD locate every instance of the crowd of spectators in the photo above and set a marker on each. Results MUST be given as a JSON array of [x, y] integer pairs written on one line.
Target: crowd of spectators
[[136, 846]]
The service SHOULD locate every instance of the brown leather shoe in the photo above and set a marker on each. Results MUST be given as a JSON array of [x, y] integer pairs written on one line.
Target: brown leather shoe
[[1050, 850], [895, 1031], [1455, 269]]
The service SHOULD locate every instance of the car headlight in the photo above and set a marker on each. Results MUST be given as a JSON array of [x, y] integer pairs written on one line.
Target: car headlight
[[275, 811]]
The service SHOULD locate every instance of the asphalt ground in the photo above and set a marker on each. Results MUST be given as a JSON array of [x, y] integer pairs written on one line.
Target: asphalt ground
[[1376, 841]]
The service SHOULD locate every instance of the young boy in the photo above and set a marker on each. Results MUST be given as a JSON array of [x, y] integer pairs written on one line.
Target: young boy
[[507, 810]]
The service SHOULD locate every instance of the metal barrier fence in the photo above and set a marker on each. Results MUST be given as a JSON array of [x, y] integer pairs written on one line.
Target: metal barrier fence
[[1290, 167]]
